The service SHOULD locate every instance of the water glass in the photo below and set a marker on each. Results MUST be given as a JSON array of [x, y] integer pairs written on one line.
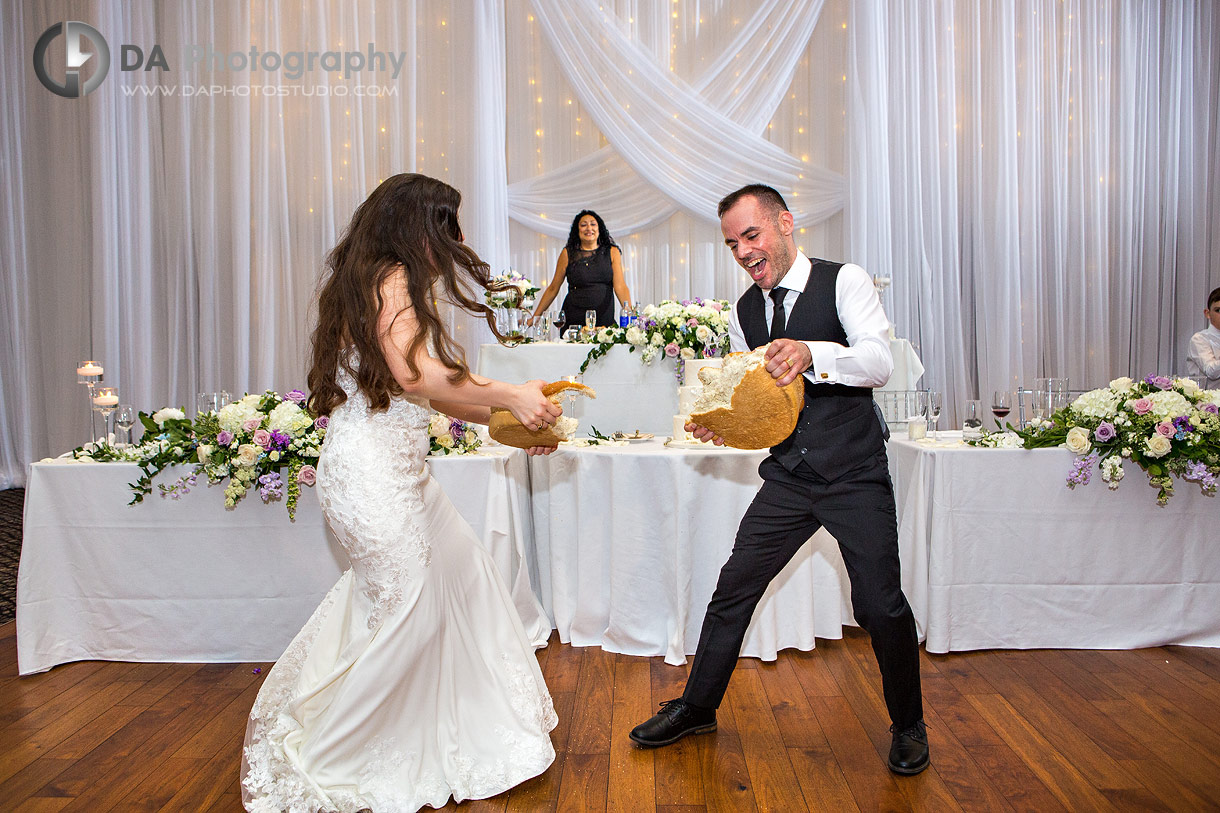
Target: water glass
[[591, 319], [125, 418], [972, 422], [1058, 389]]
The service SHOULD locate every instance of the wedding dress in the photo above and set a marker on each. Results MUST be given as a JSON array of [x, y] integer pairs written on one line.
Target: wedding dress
[[414, 680]]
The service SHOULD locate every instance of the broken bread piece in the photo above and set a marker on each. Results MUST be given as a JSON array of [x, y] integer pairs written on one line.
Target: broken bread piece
[[506, 429], [742, 405]]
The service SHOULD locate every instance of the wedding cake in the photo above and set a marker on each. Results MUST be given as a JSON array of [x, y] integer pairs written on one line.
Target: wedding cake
[[688, 393]]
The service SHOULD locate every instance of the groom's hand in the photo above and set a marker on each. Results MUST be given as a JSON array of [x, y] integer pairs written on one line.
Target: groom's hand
[[702, 433], [787, 359]]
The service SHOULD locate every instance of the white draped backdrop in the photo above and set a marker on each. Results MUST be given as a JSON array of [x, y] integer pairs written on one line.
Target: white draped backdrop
[[1040, 178]]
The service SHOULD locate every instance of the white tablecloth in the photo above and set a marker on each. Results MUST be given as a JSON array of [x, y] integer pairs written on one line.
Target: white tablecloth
[[630, 541], [630, 394], [998, 553], [187, 580]]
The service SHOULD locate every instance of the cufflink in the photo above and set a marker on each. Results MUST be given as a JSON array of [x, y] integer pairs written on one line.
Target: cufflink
[[825, 375]]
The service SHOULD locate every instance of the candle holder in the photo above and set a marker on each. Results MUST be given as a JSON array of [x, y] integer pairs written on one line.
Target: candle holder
[[89, 373], [105, 401]]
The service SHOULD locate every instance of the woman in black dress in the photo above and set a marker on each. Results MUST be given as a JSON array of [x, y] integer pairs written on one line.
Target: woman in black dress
[[593, 267]]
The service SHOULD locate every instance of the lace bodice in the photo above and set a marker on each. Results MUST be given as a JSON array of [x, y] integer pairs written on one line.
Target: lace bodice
[[369, 478]]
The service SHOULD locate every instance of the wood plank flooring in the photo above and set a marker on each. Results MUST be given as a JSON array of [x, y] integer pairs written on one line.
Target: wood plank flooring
[[1041, 730]]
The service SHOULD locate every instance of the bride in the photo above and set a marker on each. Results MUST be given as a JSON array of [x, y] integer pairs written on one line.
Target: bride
[[414, 680]]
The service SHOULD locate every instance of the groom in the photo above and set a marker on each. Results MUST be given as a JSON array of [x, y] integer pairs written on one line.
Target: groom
[[823, 320]]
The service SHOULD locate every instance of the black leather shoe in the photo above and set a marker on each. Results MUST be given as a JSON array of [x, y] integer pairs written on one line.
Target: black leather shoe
[[673, 722], [909, 751]]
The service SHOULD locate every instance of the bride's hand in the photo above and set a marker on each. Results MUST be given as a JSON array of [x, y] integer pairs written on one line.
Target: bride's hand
[[531, 407]]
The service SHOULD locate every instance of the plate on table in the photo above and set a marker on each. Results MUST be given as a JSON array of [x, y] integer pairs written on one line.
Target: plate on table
[[635, 437], [693, 444]]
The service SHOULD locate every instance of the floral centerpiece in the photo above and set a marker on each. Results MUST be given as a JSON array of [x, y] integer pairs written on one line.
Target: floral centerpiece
[[450, 436], [694, 328], [261, 442], [511, 291], [1167, 427]]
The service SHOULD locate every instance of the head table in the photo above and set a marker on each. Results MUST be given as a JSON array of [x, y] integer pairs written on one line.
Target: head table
[[620, 547]]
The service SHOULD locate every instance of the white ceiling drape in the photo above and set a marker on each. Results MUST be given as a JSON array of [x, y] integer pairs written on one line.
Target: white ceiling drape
[[1039, 179]]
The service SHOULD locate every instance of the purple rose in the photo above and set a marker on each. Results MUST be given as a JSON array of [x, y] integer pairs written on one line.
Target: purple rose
[[1142, 406], [671, 349], [322, 422], [224, 437], [263, 438], [296, 396], [1210, 407], [307, 475], [1159, 382], [1165, 429], [1104, 432]]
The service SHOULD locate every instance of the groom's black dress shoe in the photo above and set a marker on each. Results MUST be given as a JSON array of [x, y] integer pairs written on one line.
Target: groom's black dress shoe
[[909, 751], [674, 721]]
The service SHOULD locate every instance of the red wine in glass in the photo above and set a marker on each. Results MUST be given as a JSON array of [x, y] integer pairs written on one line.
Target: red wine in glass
[[1000, 412]]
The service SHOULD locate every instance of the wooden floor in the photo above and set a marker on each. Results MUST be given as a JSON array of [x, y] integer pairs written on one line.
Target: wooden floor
[[1034, 730]]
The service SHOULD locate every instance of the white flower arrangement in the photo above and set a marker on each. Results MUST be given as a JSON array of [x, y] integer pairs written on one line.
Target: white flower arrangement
[[695, 328]]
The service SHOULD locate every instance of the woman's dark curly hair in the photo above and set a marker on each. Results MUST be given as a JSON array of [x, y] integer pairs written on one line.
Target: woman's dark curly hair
[[407, 227], [604, 240]]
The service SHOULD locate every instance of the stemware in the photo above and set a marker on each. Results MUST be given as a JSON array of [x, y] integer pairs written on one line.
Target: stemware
[[1057, 389], [1001, 405], [934, 404], [1038, 401], [125, 418], [105, 400], [591, 319]]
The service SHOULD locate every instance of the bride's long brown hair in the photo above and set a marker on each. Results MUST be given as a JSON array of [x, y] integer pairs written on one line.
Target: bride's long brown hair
[[408, 226]]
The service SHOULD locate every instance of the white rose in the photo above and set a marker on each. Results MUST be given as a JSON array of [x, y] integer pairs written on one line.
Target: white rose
[[445, 441], [687, 353], [1078, 440], [438, 425], [1122, 385], [657, 340], [1188, 385], [604, 336], [247, 454], [636, 336], [163, 415], [1157, 446], [205, 452], [703, 333]]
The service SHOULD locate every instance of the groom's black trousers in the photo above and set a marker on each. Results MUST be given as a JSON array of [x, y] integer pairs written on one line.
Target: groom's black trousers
[[858, 510]]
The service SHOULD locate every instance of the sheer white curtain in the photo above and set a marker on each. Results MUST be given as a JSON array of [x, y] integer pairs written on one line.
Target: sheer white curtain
[[1041, 181]]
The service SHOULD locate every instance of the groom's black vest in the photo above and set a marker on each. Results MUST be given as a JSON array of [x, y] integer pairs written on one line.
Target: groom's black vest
[[837, 429]]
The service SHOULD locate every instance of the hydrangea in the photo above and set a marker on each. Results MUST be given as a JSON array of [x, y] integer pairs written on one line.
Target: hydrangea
[[290, 419], [1097, 404]]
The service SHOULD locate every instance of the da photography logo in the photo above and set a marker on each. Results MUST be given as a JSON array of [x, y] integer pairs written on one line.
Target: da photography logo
[[75, 59]]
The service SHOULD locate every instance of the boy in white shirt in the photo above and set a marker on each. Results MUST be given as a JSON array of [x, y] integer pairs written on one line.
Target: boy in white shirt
[[1203, 358]]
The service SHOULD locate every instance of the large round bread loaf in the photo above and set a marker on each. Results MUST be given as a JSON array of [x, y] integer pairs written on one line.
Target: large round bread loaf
[[754, 413], [506, 429]]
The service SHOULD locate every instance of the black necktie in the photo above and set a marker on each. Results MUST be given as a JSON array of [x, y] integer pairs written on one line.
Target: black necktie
[[777, 318]]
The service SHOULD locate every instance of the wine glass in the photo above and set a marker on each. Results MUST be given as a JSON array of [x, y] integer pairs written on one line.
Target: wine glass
[[934, 404], [105, 399], [125, 418], [1001, 405], [1058, 393]]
